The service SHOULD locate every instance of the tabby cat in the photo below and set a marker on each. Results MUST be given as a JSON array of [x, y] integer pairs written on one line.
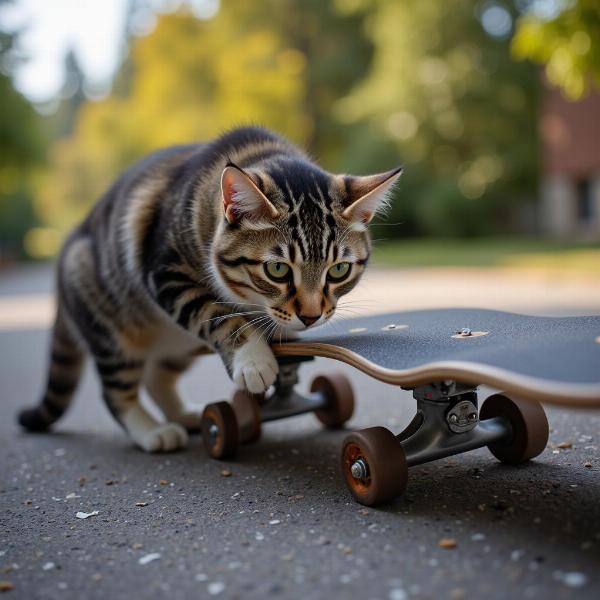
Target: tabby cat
[[202, 248]]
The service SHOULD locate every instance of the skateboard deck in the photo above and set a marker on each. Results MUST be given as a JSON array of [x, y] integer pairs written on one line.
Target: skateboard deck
[[548, 359], [442, 356]]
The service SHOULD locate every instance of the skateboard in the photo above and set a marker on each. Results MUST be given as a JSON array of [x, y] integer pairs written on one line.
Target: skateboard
[[442, 356]]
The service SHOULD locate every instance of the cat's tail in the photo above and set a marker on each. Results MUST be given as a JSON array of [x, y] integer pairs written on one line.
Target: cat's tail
[[64, 371]]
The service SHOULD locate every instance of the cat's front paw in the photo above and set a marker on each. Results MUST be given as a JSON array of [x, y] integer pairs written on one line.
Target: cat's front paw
[[165, 438], [254, 367]]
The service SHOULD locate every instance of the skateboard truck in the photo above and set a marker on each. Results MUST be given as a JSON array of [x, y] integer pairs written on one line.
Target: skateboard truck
[[447, 422], [375, 462], [285, 401], [227, 424]]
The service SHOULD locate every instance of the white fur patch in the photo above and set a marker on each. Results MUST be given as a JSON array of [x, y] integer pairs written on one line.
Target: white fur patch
[[150, 435], [254, 367]]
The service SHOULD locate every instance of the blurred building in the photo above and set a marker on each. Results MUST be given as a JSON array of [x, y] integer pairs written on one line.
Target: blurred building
[[570, 160]]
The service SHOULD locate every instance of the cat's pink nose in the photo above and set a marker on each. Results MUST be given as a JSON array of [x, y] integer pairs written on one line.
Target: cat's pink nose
[[308, 321]]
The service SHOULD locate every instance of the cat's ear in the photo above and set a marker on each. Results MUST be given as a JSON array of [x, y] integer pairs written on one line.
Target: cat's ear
[[242, 198], [369, 194]]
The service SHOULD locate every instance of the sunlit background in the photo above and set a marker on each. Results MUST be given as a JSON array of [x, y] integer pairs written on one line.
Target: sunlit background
[[491, 105]]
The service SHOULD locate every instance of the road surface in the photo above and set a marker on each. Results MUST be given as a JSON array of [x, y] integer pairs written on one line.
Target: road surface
[[278, 522]]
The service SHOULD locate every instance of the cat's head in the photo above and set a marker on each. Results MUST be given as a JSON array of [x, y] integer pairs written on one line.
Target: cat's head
[[294, 239]]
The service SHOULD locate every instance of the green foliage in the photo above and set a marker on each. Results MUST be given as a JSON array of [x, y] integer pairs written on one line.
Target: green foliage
[[457, 111], [363, 84], [568, 45], [269, 63], [21, 148]]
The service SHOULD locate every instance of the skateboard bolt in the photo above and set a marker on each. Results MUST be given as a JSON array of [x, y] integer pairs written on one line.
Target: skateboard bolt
[[359, 469], [472, 417], [213, 430], [453, 418]]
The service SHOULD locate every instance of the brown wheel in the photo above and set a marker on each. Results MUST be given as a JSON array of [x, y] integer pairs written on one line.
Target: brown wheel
[[340, 399], [374, 465], [219, 430], [529, 428], [247, 411]]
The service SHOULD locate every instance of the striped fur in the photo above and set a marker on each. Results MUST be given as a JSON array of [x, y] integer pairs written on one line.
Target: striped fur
[[172, 262]]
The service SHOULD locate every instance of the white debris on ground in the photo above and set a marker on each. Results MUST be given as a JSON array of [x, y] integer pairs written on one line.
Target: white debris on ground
[[572, 579], [67, 497], [84, 515], [148, 558], [216, 587]]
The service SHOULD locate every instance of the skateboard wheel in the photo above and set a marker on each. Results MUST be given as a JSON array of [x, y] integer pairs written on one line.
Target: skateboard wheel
[[374, 465], [219, 430], [340, 399], [529, 428], [246, 407]]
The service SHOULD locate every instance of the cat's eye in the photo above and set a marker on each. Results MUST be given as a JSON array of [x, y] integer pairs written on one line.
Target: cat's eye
[[277, 271], [339, 271]]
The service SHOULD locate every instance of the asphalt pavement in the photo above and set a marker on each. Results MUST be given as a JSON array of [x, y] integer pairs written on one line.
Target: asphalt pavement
[[277, 522]]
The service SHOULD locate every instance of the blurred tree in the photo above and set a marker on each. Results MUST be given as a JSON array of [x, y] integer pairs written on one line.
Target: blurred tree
[[21, 148], [273, 63], [564, 35], [62, 123], [365, 84], [139, 21], [337, 55], [444, 95]]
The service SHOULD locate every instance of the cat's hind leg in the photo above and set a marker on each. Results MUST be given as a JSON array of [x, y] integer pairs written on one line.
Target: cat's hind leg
[[118, 336], [160, 380], [121, 381]]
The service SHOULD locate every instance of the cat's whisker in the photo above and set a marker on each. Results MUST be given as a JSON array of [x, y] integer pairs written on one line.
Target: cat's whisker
[[228, 316], [273, 331], [389, 224], [333, 324], [347, 306], [352, 309], [357, 304], [256, 332], [257, 327], [245, 326], [268, 331], [265, 328], [238, 330]]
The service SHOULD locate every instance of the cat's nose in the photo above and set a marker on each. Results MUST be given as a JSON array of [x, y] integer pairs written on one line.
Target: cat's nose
[[308, 321]]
